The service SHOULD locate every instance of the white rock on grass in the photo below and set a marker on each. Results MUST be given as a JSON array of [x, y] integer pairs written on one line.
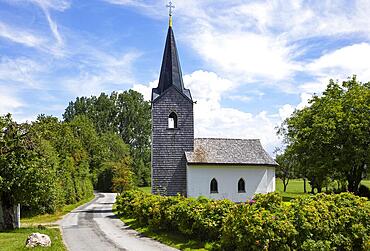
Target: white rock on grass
[[37, 239]]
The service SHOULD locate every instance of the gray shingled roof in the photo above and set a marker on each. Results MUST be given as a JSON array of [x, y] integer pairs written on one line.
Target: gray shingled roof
[[229, 151]]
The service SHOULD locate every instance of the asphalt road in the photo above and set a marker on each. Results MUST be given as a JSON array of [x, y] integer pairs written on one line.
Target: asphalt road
[[93, 226]]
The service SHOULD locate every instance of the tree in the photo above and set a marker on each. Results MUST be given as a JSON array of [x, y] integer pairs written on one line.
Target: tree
[[112, 150], [122, 175], [287, 165], [126, 114], [70, 142], [22, 178], [332, 134]]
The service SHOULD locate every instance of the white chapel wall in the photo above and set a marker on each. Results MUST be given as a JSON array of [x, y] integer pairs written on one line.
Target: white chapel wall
[[258, 179]]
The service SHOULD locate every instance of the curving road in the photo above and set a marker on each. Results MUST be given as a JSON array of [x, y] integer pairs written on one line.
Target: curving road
[[94, 226]]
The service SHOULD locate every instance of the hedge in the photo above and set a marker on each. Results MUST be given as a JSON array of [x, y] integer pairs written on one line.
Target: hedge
[[320, 222]]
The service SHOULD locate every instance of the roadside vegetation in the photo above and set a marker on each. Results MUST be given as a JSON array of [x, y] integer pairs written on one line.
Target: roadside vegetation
[[49, 164], [317, 222], [51, 219]]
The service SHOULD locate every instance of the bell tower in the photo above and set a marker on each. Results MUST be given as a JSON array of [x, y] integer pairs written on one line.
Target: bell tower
[[172, 123]]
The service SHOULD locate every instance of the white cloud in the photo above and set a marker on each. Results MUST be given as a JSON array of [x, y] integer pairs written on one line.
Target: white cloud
[[146, 90], [27, 38], [341, 63], [152, 8], [59, 5], [257, 40], [338, 65], [240, 98], [213, 120], [207, 86], [20, 36], [100, 71], [246, 56], [285, 111], [8, 102], [22, 71]]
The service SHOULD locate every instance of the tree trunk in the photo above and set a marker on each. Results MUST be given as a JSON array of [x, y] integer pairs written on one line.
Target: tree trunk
[[313, 185], [354, 178], [285, 183], [319, 189], [338, 185], [304, 185], [354, 185], [9, 212]]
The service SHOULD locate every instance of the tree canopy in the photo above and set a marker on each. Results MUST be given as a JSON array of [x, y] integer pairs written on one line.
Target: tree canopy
[[126, 114], [331, 137], [48, 164]]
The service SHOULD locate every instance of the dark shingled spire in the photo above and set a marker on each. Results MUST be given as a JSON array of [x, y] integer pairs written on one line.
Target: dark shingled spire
[[171, 70]]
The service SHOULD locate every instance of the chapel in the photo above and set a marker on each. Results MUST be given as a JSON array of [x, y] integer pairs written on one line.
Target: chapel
[[216, 168]]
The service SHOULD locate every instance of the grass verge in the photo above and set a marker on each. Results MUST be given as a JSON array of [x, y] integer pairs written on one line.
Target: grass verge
[[46, 219], [171, 239], [16, 239]]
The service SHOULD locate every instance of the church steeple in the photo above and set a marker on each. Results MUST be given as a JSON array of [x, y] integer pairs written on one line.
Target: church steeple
[[172, 124], [171, 74]]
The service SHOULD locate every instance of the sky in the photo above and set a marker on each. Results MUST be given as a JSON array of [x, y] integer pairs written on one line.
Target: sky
[[248, 64]]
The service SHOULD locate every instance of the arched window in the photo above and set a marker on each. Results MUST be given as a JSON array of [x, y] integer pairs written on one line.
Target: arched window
[[241, 186], [172, 120], [214, 186]]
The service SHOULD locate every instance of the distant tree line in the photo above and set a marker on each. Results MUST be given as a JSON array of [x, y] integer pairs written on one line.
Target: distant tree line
[[329, 140]]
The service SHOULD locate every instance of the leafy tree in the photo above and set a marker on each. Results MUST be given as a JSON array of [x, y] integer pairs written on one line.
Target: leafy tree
[[122, 175], [67, 139], [112, 150], [286, 169], [126, 114], [332, 135], [24, 176]]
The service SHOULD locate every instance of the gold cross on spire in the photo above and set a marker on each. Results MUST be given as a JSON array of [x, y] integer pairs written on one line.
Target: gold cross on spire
[[170, 7]]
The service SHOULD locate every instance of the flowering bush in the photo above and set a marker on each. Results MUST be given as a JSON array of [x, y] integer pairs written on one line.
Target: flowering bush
[[321, 222]]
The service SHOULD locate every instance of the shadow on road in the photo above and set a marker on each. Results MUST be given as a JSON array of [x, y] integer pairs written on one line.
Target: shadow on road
[[93, 211]]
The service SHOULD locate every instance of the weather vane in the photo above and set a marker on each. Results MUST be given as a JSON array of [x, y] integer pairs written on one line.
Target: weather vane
[[170, 6]]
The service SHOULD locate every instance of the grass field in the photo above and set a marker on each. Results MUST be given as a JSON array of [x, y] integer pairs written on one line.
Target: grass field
[[15, 240]]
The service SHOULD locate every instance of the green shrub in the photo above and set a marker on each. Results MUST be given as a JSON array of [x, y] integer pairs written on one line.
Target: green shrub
[[340, 219], [264, 225], [321, 222]]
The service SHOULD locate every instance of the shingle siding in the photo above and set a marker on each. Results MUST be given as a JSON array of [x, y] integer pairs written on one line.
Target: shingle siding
[[169, 145]]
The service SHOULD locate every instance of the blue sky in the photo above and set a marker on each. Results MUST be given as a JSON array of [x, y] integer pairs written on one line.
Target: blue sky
[[249, 64]]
